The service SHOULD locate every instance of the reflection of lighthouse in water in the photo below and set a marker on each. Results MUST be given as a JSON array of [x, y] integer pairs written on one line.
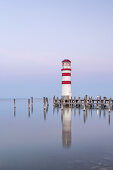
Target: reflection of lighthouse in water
[[66, 126]]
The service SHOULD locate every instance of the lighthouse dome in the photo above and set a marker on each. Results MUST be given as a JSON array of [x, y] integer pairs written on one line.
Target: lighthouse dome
[[66, 60]]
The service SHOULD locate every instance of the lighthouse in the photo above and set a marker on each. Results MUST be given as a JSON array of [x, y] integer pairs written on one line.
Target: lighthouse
[[66, 80]]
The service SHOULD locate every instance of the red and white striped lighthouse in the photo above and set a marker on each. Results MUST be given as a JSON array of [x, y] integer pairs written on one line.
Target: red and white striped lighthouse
[[66, 79]]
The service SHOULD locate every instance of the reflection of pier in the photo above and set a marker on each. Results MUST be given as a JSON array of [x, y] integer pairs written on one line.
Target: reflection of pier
[[66, 126]]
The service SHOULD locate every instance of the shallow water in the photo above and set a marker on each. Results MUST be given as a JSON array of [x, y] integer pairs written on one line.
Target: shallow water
[[54, 139]]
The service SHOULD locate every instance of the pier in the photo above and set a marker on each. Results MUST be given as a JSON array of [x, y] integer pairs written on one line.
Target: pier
[[86, 102]]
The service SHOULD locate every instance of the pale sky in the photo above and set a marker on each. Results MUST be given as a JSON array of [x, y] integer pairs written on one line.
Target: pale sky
[[36, 35]]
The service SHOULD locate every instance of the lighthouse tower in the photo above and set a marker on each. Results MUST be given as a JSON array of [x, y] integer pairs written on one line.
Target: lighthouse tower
[[66, 80]]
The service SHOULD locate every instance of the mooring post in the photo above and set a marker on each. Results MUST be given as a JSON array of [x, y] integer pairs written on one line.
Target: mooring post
[[109, 104], [61, 104], [57, 101], [91, 102], [104, 102], [84, 104], [97, 102], [74, 101], [31, 100], [86, 101], [14, 107], [79, 101], [28, 103], [29, 107], [32, 104], [44, 100], [14, 103], [71, 102], [47, 101], [100, 101], [54, 100]]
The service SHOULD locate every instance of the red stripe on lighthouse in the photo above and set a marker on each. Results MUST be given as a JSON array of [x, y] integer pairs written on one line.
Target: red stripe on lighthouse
[[66, 69], [66, 82], [66, 74]]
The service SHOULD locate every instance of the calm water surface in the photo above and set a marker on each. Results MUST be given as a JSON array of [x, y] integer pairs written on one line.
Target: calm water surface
[[54, 139]]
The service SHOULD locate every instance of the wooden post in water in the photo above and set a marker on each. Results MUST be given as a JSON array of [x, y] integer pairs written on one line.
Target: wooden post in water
[[47, 101], [29, 104], [14, 103], [100, 101], [71, 102], [57, 101], [86, 101], [44, 100], [91, 102], [29, 107], [54, 100], [104, 103], [84, 104], [31, 100], [97, 102], [74, 106], [74, 101], [109, 104], [61, 104], [79, 101], [32, 104], [14, 107]]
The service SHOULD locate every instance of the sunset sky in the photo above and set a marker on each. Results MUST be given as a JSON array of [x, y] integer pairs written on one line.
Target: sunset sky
[[36, 35]]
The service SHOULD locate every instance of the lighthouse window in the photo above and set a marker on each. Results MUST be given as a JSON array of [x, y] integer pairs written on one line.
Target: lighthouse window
[[67, 64]]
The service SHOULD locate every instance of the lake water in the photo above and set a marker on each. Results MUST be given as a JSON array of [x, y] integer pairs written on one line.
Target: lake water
[[54, 139]]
